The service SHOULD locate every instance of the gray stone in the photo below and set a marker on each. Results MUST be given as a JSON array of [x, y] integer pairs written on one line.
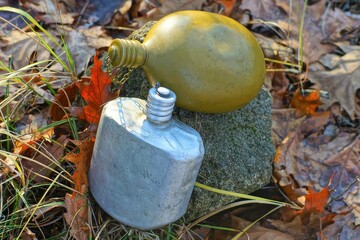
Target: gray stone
[[238, 152]]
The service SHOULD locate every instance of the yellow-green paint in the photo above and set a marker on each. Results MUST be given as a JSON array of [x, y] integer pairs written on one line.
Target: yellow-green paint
[[212, 62]]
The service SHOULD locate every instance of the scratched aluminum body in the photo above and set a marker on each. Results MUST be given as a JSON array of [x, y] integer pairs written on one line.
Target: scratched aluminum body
[[143, 167]]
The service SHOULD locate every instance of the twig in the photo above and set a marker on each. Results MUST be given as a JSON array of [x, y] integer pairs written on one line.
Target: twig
[[82, 12]]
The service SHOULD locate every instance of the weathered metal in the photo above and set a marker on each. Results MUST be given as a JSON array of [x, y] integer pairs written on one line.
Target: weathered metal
[[144, 163]]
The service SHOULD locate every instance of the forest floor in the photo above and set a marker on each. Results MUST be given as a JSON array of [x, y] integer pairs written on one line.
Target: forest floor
[[50, 109]]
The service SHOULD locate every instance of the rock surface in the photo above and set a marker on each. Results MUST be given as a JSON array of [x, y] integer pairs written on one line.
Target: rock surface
[[238, 152]]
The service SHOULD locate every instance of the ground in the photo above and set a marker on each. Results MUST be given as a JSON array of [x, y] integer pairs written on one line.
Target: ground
[[50, 108]]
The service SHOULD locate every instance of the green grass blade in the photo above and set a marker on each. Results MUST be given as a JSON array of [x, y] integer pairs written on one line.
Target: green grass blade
[[239, 195], [27, 17]]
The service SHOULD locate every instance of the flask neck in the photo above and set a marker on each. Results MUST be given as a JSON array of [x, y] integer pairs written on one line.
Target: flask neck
[[160, 105], [127, 53]]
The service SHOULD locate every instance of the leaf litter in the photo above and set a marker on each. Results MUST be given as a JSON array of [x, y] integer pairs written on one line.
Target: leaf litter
[[313, 143]]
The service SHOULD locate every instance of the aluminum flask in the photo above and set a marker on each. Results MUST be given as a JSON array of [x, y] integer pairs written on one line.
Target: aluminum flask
[[145, 162]]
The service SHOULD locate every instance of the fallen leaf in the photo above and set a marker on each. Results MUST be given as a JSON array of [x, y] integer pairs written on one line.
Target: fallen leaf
[[297, 161], [63, 100], [342, 228], [77, 216], [277, 83], [306, 103], [29, 124], [27, 234], [314, 203], [96, 91], [45, 159], [320, 24], [166, 7], [21, 46], [346, 167], [82, 43], [273, 49], [296, 229], [228, 6], [342, 83], [104, 11], [82, 162], [309, 220], [284, 121], [60, 17], [77, 204], [266, 9], [303, 157], [311, 153], [256, 232], [352, 199], [28, 140]]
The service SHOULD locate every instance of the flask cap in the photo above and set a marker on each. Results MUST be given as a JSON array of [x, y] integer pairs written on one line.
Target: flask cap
[[160, 104]]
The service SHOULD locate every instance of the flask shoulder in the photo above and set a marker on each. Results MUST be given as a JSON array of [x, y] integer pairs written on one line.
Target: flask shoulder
[[128, 113], [177, 139]]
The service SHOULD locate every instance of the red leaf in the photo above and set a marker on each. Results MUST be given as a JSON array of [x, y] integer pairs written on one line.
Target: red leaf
[[77, 216], [82, 162], [306, 104], [314, 203], [96, 91], [63, 99], [228, 6], [77, 203]]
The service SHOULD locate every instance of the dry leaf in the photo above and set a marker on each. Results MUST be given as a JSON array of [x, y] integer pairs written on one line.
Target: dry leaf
[[343, 228], [96, 91], [265, 9], [76, 204], [277, 83], [346, 167], [21, 46], [104, 10], [306, 103], [283, 122], [342, 83], [256, 232], [27, 234], [314, 203], [77, 216], [297, 159], [320, 23], [50, 209], [166, 7], [51, 153], [313, 152], [60, 17], [30, 123], [81, 161], [63, 99], [27, 140], [228, 6], [296, 229], [311, 219]]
